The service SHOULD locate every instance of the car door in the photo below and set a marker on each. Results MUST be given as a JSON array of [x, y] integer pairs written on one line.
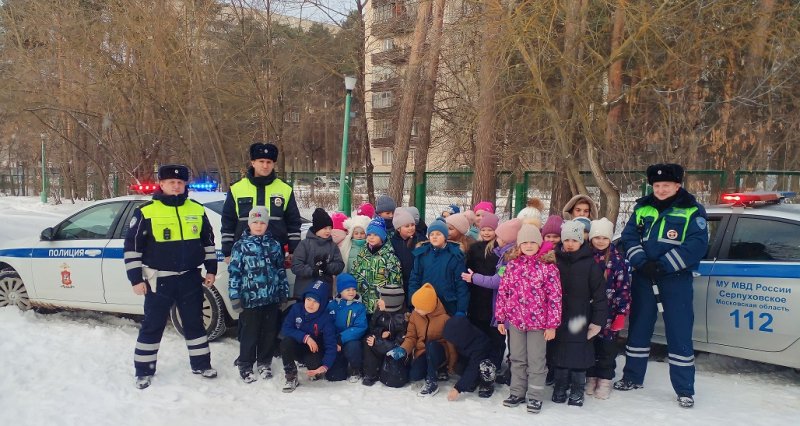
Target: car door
[[67, 267], [716, 225], [755, 291], [116, 287]]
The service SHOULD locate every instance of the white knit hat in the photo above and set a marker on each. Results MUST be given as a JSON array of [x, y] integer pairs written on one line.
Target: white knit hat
[[601, 228]]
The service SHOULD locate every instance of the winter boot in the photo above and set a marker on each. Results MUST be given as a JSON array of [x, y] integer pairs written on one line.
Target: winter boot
[[626, 385], [560, 385], [513, 400], [577, 385], [550, 380], [685, 401], [247, 375], [143, 381], [591, 384], [442, 375], [603, 390], [486, 389], [208, 373], [291, 382], [369, 380], [488, 371], [430, 388], [534, 406], [264, 370], [354, 375], [504, 378]]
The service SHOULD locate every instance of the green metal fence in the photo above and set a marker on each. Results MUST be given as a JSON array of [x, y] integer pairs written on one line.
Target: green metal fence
[[767, 180]]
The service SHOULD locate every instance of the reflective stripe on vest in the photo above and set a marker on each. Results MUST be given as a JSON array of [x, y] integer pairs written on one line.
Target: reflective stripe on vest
[[170, 223], [244, 188], [679, 215]]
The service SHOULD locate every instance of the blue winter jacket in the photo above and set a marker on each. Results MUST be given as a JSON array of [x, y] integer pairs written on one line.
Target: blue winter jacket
[[677, 243], [350, 318], [256, 275], [442, 267], [319, 325]]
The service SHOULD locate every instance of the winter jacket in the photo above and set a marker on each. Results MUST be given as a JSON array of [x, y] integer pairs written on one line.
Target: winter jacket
[[256, 275], [529, 297], [311, 251], [268, 191], [492, 281], [376, 270], [583, 302], [404, 250], [393, 322], [428, 328], [320, 326], [474, 233], [482, 299], [350, 318], [471, 344], [356, 246], [442, 267], [617, 273]]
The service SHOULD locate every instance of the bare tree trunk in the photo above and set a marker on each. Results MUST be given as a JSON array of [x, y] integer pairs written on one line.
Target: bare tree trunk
[[405, 118], [484, 181]]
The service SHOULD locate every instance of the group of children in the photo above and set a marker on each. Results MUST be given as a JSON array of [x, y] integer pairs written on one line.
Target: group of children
[[422, 302]]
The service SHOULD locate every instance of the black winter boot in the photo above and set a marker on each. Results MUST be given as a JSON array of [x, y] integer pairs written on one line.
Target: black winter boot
[[576, 388], [560, 385]]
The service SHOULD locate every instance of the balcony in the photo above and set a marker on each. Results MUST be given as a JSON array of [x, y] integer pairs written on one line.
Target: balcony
[[395, 25], [395, 56], [393, 83]]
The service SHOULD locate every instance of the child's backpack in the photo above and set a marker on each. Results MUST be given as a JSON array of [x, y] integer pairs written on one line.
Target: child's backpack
[[394, 373]]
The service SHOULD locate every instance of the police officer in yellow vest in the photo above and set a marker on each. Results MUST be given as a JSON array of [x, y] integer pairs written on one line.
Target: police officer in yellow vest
[[168, 239], [664, 240], [261, 187]]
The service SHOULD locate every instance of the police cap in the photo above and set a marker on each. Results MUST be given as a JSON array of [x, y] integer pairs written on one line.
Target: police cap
[[664, 173], [263, 150], [173, 171]]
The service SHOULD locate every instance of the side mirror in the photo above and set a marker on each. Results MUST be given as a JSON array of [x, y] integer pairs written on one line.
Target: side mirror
[[48, 234]]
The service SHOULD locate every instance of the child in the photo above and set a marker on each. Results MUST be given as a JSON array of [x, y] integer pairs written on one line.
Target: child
[[481, 209], [377, 269], [472, 346], [551, 231], [350, 318], [355, 241], [451, 209], [367, 210], [384, 207], [473, 231], [386, 331], [424, 341], [441, 263], [532, 213], [316, 257], [529, 302], [404, 241], [309, 335], [257, 282], [587, 226], [584, 291], [580, 206], [618, 291], [338, 233], [422, 227], [458, 225]]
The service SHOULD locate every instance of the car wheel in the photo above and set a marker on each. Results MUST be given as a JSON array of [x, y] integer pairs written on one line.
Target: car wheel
[[213, 314], [12, 290]]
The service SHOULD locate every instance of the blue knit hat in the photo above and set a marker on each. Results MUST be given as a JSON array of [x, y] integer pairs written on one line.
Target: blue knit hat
[[587, 223], [438, 225], [319, 291], [452, 209], [345, 281], [377, 226]]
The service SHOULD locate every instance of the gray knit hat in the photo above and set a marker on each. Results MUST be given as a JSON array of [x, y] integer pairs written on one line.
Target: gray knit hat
[[572, 230], [258, 214], [384, 203]]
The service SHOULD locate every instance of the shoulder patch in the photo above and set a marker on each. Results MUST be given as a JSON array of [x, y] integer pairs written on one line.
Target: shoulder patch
[[701, 222]]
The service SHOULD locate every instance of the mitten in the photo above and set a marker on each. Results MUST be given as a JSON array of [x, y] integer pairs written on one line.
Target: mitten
[[397, 353], [651, 269]]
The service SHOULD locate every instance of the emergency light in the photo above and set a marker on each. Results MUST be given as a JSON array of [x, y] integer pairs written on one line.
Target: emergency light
[[743, 199], [204, 186], [143, 188]]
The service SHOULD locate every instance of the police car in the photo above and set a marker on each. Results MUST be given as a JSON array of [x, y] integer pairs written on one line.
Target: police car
[[78, 264], [747, 287]]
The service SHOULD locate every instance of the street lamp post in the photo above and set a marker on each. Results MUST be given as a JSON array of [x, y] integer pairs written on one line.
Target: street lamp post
[[43, 195], [344, 187]]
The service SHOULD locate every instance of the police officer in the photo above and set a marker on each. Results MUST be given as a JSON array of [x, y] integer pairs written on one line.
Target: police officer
[[261, 187], [168, 239], [665, 238]]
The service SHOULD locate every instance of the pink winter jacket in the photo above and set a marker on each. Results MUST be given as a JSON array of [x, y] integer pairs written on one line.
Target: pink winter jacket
[[529, 297]]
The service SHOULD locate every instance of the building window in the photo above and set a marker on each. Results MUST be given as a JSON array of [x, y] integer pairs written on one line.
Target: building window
[[384, 12], [387, 44], [382, 73], [382, 99], [383, 129], [414, 126], [291, 117], [386, 157]]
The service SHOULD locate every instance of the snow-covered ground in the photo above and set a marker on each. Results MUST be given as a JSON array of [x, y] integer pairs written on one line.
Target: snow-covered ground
[[76, 368]]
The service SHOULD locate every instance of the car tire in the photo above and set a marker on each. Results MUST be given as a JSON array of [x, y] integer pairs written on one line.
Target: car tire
[[12, 290], [213, 314]]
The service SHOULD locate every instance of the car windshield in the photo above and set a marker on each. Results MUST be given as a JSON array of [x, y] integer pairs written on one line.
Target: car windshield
[[215, 206]]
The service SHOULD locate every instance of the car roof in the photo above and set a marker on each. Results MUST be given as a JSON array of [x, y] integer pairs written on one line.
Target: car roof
[[786, 211]]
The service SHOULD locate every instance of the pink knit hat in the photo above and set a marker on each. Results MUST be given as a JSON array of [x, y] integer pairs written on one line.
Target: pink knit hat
[[338, 219], [553, 225], [508, 230], [490, 220], [485, 206], [367, 210], [458, 221], [470, 215]]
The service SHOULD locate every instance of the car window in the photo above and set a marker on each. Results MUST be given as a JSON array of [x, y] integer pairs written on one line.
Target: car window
[[215, 206], [713, 226], [765, 240], [126, 221], [92, 223]]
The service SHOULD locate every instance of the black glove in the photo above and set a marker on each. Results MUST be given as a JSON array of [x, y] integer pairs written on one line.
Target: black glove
[[651, 269], [319, 267]]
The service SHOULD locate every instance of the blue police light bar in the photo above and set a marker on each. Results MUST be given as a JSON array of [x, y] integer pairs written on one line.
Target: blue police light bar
[[204, 186], [787, 194]]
